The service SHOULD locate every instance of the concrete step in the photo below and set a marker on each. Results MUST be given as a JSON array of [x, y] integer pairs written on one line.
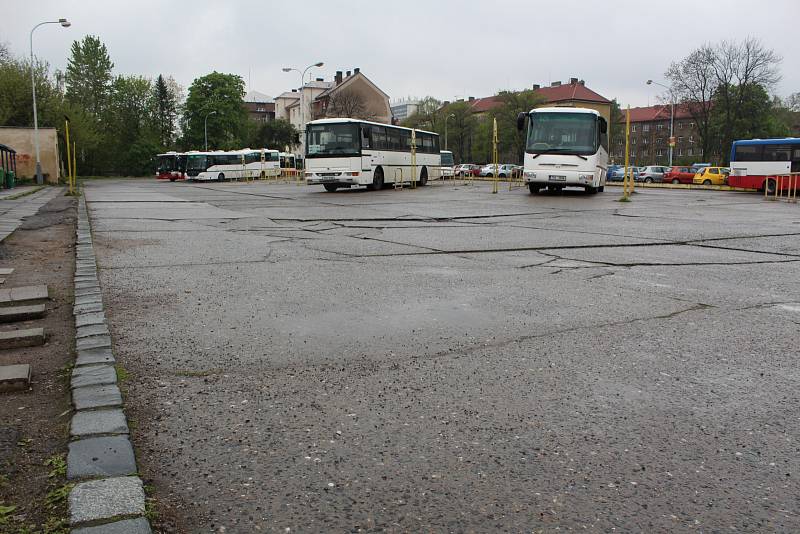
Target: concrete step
[[22, 294], [13, 314], [13, 339], [15, 377]]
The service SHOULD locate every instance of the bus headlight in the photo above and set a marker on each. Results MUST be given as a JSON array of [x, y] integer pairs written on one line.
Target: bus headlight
[[309, 173], [352, 173], [529, 174], [586, 177]]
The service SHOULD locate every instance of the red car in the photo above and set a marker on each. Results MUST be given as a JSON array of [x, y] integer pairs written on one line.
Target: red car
[[679, 175], [467, 169]]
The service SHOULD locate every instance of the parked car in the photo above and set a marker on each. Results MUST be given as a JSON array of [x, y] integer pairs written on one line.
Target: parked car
[[503, 170], [467, 169], [712, 176], [616, 173], [652, 173], [679, 175]]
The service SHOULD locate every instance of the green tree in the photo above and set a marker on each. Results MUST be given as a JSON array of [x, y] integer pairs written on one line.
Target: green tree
[[511, 142], [166, 103], [223, 94], [88, 75], [461, 125], [132, 136], [277, 134]]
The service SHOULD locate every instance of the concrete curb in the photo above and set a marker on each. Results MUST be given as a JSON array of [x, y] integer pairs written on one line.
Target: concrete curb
[[108, 495]]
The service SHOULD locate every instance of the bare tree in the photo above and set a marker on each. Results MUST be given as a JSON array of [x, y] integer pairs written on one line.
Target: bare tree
[[721, 78], [348, 103]]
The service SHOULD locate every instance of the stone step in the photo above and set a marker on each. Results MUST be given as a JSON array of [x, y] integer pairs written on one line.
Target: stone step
[[21, 313], [15, 377], [32, 337], [22, 294]]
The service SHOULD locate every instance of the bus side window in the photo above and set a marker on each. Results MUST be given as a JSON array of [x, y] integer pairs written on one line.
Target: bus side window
[[405, 140], [394, 138], [379, 138], [435, 144], [365, 135]]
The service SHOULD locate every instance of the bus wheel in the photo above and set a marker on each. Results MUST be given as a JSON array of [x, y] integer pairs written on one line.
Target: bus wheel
[[263, 175], [220, 177], [771, 186], [534, 188], [601, 189], [330, 188], [591, 190], [377, 180], [423, 177]]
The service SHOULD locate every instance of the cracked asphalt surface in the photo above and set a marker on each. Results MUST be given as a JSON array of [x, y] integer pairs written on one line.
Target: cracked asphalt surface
[[445, 359]]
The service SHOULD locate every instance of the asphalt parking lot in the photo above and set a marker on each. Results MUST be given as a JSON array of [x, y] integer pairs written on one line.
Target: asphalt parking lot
[[445, 359]]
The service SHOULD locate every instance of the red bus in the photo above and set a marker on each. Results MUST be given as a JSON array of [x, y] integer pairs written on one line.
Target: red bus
[[755, 163], [171, 166]]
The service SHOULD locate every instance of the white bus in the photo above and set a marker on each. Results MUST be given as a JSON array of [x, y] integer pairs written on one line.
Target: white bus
[[566, 147], [348, 152], [447, 163], [235, 164]]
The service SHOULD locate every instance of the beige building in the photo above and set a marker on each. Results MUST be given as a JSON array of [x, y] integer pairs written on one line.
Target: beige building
[[22, 140]]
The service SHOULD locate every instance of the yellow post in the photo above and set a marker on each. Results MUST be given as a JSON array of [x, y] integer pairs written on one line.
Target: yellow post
[[69, 157], [625, 184], [74, 165], [413, 158], [494, 157]]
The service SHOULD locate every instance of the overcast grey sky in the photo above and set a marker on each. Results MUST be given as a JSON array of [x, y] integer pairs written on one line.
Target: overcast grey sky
[[446, 48]]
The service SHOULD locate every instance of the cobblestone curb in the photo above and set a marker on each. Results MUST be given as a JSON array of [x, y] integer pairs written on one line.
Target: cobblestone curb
[[108, 495]]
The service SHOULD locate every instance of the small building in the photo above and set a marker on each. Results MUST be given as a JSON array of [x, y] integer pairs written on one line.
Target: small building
[[260, 107], [649, 138], [354, 96], [21, 139], [403, 109]]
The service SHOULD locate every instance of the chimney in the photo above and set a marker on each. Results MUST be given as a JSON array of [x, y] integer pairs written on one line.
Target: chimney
[[320, 79], [294, 90], [573, 81], [348, 74], [581, 82], [555, 84], [471, 98], [338, 77], [536, 86], [356, 70]]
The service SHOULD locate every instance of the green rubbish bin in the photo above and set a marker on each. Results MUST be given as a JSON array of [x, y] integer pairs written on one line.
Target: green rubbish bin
[[8, 181]]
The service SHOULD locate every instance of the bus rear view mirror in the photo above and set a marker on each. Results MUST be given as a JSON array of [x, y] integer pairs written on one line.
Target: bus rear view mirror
[[521, 121], [603, 125]]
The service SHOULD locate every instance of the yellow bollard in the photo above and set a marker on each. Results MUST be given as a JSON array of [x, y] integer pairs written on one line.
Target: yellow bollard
[[413, 159], [69, 157], [74, 166], [495, 158], [626, 179]]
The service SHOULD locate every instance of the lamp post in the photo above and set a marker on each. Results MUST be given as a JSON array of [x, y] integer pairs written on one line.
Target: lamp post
[[66, 24], [302, 100], [205, 127], [445, 128], [671, 116]]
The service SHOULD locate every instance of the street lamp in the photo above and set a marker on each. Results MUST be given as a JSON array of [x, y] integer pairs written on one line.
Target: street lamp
[[66, 24], [205, 127], [671, 116], [453, 115], [302, 106]]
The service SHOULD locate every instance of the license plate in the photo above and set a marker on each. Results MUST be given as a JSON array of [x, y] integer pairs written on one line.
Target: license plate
[[558, 178]]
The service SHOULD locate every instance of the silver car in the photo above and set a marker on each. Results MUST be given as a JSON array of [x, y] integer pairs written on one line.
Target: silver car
[[652, 173], [503, 170]]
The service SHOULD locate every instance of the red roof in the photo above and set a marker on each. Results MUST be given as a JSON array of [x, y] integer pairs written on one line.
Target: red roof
[[560, 93], [657, 113], [570, 91]]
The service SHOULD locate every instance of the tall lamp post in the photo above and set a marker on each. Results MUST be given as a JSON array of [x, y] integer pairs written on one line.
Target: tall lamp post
[[205, 127], [66, 24], [671, 116], [302, 103], [453, 115]]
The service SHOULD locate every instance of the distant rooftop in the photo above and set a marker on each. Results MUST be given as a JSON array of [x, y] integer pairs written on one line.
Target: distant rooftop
[[255, 96]]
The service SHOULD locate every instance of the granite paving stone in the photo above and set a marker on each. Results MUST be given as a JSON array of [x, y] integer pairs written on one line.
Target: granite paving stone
[[104, 499], [92, 330], [87, 308], [15, 377], [87, 319], [90, 422], [106, 456], [88, 299], [93, 342], [91, 397], [93, 375], [31, 337], [126, 526], [95, 356], [21, 313]]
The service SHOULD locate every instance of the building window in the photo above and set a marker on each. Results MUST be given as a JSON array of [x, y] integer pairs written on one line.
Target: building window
[[645, 127], [633, 153], [680, 126], [633, 141], [680, 152], [691, 124], [633, 127], [689, 151], [659, 126], [660, 152], [644, 152], [680, 139], [644, 140], [691, 139], [660, 141]]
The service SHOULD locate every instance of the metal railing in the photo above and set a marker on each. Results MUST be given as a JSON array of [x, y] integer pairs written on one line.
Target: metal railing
[[783, 182]]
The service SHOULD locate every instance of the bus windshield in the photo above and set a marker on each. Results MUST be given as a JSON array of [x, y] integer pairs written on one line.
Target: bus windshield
[[196, 163], [325, 140], [166, 163], [562, 133]]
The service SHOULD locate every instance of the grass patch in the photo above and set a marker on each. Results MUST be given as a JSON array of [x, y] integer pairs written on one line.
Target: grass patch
[[58, 466], [5, 513], [122, 373], [23, 193], [624, 199]]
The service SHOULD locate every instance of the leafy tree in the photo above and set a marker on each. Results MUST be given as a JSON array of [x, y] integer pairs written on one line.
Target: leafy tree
[[277, 134], [130, 125], [223, 94], [88, 75], [461, 126]]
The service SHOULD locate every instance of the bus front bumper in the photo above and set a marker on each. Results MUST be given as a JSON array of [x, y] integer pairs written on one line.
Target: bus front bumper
[[559, 178], [333, 177]]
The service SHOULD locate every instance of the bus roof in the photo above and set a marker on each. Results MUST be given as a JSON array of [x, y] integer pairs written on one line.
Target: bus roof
[[775, 141], [563, 109], [347, 120], [446, 151], [171, 154], [223, 152]]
